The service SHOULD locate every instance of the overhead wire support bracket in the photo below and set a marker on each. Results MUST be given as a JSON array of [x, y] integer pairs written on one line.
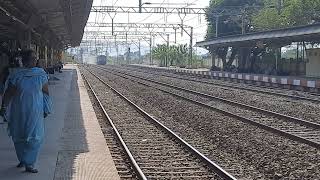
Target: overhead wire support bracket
[[129, 33], [153, 9], [191, 41], [183, 28], [112, 20], [182, 19], [135, 25], [164, 38]]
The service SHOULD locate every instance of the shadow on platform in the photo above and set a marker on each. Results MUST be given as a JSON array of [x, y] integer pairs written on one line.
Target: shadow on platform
[[74, 143]]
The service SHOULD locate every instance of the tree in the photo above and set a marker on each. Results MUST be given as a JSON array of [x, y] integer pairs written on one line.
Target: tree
[[172, 55], [160, 53], [292, 13], [255, 15], [228, 24], [182, 55]]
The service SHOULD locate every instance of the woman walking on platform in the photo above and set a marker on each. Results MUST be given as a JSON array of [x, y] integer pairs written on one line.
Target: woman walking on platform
[[27, 103]]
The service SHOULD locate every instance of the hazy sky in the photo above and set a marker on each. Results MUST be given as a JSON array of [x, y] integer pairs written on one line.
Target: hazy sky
[[197, 21]]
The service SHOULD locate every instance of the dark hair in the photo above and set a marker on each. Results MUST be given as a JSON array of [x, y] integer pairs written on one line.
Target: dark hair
[[26, 56]]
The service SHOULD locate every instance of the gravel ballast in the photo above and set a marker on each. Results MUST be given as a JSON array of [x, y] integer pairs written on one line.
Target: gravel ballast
[[252, 153], [306, 110], [149, 144]]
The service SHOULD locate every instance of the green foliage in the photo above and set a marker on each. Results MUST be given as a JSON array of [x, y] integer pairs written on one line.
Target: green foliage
[[268, 19], [228, 24], [256, 15], [293, 13], [172, 55], [160, 53], [260, 15], [197, 61]]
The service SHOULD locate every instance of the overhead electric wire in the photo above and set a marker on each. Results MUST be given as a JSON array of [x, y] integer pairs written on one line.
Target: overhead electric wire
[[115, 2], [165, 15], [151, 13]]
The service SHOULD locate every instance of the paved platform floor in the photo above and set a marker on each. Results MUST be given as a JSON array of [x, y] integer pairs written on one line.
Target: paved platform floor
[[74, 146]]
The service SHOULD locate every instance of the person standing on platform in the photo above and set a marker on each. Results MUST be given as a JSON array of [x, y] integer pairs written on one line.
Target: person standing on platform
[[26, 104], [60, 66]]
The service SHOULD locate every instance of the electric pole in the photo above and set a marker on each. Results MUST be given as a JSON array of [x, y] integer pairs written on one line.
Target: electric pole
[[140, 62], [279, 6], [140, 6], [217, 25], [150, 49], [191, 46], [168, 45]]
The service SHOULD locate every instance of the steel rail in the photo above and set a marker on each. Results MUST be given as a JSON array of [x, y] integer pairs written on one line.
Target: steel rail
[[241, 118], [244, 88], [234, 86], [287, 117], [216, 168], [135, 165], [281, 89]]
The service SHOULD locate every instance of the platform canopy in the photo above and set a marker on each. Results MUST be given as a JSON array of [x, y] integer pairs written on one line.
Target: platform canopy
[[59, 22], [309, 33]]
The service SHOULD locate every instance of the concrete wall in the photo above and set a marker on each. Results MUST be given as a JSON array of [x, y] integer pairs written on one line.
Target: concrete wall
[[313, 64]]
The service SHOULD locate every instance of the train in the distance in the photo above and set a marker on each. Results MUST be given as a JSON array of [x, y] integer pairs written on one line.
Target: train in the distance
[[101, 60], [92, 59]]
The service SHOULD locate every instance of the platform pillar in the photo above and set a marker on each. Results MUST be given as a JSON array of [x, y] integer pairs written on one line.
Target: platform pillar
[[28, 39], [37, 52], [46, 55], [25, 39]]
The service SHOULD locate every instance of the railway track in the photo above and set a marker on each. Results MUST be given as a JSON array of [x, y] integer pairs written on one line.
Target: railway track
[[118, 153], [292, 107], [312, 97], [154, 150], [291, 127]]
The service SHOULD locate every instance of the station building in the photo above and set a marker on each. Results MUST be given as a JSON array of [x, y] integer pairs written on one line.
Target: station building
[[301, 38], [48, 27], [74, 146], [301, 69]]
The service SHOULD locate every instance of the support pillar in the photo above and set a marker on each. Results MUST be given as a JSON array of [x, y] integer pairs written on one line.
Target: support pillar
[[127, 46], [213, 60], [140, 62], [52, 56], [191, 47], [117, 50], [217, 25], [25, 39], [38, 51], [175, 35], [168, 45], [151, 50], [46, 55], [28, 39]]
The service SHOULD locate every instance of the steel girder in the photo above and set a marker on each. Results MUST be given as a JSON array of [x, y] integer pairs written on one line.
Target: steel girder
[[137, 25], [129, 33], [162, 10]]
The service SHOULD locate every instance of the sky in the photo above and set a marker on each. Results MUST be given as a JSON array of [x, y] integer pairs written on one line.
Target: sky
[[198, 22]]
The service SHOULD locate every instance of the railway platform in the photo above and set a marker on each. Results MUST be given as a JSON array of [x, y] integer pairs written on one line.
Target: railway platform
[[74, 146]]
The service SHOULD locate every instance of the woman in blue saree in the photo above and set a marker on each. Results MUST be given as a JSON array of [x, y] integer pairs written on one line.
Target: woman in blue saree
[[27, 104]]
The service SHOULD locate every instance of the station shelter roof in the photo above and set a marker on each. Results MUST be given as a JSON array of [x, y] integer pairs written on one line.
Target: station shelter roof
[[57, 21], [308, 33]]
